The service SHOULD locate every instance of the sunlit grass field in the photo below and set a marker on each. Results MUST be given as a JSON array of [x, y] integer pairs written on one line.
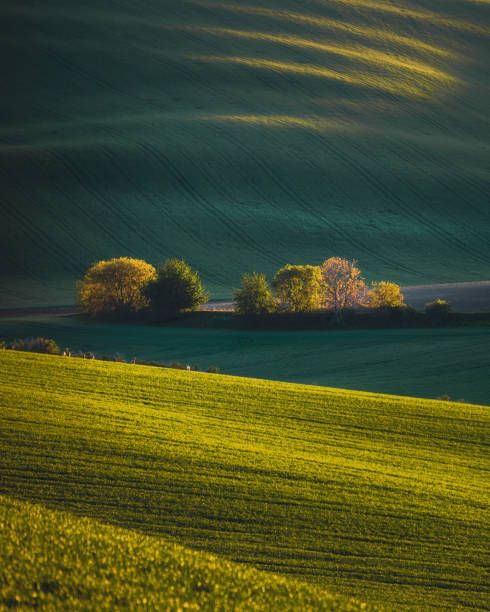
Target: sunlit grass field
[[415, 362], [378, 497], [241, 136], [54, 561]]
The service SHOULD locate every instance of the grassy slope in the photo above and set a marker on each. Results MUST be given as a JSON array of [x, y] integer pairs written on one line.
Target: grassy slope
[[243, 135], [378, 497], [416, 362], [52, 561]]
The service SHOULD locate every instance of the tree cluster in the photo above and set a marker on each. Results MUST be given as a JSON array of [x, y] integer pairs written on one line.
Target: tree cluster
[[124, 287], [336, 285]]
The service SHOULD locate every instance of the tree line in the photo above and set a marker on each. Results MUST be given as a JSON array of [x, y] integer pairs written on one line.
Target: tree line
[[126, 287]]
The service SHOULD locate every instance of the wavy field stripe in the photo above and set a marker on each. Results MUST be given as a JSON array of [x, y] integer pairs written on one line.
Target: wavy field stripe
[[409, 13], [361, 53], [379, 83], [375, 34]]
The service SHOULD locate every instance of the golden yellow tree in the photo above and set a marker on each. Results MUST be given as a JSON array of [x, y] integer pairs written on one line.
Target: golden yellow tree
[[341, 285], [297, 287], [385, 295], [114, 287]]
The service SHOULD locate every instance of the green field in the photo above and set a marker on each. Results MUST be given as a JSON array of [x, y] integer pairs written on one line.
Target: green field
[[378, 497], [243, 135], [416, 362], [99, 567]]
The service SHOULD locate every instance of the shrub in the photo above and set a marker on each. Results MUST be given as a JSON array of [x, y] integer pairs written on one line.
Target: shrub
[[36, 345], [255, 296], [176, 365], [213, 370], [445, 397], [114, 287], [438, 312], [175, 288]]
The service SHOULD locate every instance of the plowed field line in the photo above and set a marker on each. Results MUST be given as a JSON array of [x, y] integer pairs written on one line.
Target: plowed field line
[[295, 197], [189, 189], [410, 213], [218, 186], [71, 168], [49, 246]]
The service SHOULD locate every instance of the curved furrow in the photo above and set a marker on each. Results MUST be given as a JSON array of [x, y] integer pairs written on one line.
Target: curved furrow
[[38, 237], [357, 242], [66, 195], [149, 232], [334, 227], [249, 240], [201, 242], [251, 184], [378, 185], [95, 197], [71, 66], [207, 205], [16, 263], [63, 257], [444, 235], [220, 188], [447, 166]]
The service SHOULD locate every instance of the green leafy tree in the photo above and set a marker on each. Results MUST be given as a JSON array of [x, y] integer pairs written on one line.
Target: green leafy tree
[[114, 287], [341, 285], [384, 295], [175, 288], [297, 287], [255, 296]]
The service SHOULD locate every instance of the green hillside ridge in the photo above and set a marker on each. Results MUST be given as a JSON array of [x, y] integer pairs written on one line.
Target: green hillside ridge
[[378, 497], [414, 362], [241, 136], [52, 561]]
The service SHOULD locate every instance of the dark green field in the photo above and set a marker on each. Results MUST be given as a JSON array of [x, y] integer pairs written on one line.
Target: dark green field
[[416, 362], [378, 497], [242, 135]]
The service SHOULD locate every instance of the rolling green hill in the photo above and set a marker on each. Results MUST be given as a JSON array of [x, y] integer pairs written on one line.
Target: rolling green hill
[[243, 135], [53, 561], [378, 497]]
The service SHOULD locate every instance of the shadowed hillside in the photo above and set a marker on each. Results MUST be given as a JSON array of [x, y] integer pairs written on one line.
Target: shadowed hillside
[[243, 135]]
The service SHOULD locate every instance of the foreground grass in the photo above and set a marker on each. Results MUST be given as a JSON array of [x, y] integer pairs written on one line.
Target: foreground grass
[[415, 362], [52, 561], [381, 498]]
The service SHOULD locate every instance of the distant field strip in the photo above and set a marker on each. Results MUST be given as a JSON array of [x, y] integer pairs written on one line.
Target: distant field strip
[[378, 497], [417, 362]]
